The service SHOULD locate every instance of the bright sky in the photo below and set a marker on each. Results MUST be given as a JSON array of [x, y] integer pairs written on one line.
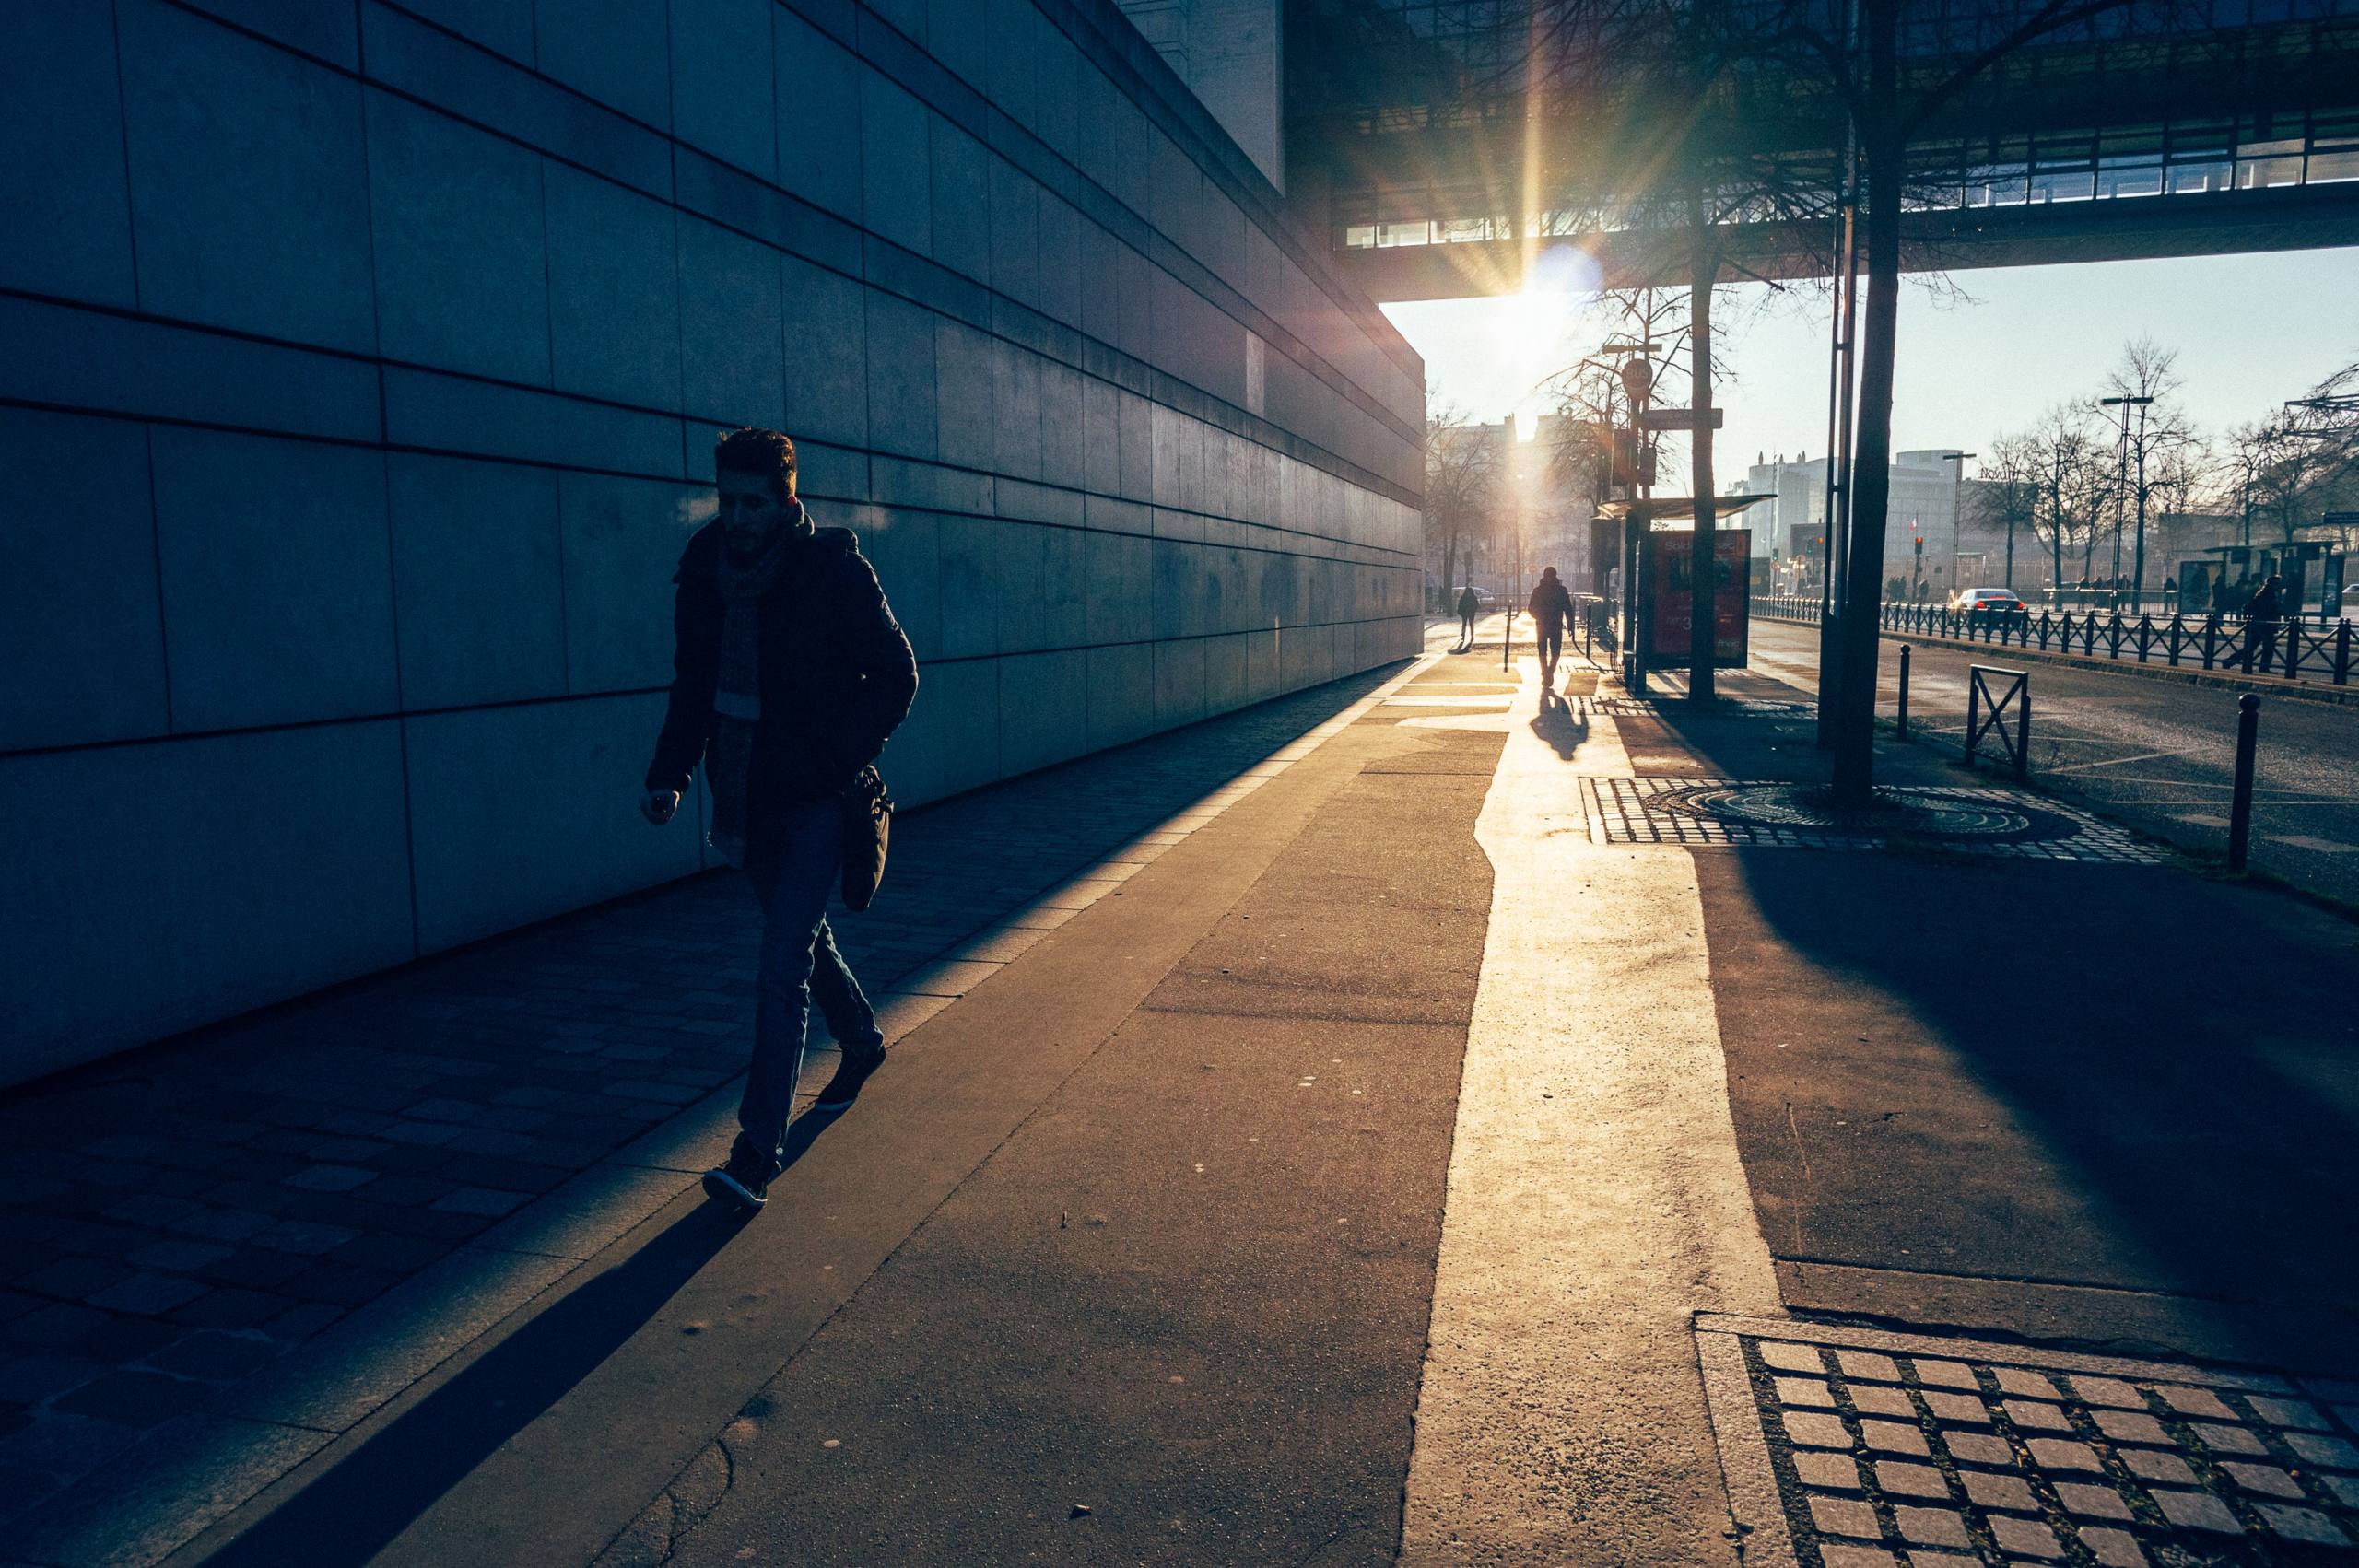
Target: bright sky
[[2251, 331]]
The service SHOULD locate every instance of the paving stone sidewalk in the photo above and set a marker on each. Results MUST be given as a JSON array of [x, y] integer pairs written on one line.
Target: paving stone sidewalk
[[175, 1220]]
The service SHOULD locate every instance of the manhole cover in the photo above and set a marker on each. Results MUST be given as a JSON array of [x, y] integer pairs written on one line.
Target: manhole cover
[[1772, 813], [1911, 813]]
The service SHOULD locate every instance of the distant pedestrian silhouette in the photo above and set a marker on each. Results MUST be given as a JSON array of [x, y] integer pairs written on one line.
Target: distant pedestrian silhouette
[[1552, 610], [1468, 608], [2260, 622]]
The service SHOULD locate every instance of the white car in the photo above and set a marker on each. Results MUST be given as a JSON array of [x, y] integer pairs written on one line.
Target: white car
[[1986, 601]]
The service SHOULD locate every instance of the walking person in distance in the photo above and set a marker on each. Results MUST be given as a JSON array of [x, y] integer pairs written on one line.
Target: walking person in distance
[[1552, 612]]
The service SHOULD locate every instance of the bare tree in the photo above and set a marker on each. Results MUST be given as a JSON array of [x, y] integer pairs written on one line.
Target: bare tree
[[2071, 477], [2153, 428], [2007, 491], [1462, 475]]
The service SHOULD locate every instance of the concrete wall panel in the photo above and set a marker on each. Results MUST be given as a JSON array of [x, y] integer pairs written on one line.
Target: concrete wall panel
[[903, 417], [623, 539], [613, 50], [65, 212], [733, 326], [248, 189], [952, 738], [523, 812], [1044, 707], [897, 163], [614, 291], [722, 62], [277, 579], [819, 138], [963, 392], [212, 876], [905, 548], [81, 624], [960, 201], [968, 600], [478, 587], [1121, 693], [827, 340], [462, 272]]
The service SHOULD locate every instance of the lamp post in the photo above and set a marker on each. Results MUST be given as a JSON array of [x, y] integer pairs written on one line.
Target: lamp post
[[2120, 494], [1957, 511]]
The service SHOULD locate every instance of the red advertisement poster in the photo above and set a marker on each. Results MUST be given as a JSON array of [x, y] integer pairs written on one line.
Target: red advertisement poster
[[1669, 601]]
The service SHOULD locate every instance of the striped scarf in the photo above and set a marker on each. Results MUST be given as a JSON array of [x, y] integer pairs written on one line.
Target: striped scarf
[[737, 693]]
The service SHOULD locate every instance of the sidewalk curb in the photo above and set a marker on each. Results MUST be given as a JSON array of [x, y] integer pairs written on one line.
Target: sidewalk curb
[[168, 1488], [2304, 691]]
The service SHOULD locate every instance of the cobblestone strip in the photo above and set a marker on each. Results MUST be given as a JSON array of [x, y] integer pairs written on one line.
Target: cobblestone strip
[[217, 1252], [1897, 1449]]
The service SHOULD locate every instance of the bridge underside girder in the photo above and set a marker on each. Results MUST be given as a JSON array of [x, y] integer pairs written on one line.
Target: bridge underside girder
[[2297, 219]]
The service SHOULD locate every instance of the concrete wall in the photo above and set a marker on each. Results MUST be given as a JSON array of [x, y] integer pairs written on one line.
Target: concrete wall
[[1231, 55], [363, 364]]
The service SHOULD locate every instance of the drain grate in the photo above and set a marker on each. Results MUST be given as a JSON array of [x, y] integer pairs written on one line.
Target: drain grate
[[1856, 1448], [1677, 708], [1770, 813]]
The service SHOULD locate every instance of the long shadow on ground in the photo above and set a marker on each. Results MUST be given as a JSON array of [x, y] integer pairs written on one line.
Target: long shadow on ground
[[1952, 1073]]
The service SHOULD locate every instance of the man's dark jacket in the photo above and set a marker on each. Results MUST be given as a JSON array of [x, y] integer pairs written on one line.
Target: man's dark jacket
[[837, 675], [1552, 604]]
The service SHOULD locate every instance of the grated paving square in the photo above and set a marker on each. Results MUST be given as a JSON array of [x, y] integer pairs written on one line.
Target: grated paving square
[[1771, 814], [2077, 1458]]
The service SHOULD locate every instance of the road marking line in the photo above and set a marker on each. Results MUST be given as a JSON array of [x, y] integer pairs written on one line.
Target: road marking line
[[2118, 761]]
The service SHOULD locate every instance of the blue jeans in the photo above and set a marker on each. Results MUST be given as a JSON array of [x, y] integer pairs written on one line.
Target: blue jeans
[[792, 860]]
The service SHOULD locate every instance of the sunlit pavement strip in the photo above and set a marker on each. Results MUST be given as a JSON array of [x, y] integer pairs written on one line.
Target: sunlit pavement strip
[[1859, 1448], [1595, 1202]]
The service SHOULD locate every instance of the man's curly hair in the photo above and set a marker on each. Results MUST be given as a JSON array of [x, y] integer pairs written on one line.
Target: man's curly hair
[[751, 450]]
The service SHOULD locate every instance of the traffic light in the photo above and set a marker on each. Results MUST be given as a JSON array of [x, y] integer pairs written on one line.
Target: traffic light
[[1634, 463]]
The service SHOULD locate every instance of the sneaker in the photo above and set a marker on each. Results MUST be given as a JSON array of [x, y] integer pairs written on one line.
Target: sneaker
[[742, 1183], [844, 1087]]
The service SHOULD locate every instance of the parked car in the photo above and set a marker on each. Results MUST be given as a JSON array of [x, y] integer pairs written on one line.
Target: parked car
[[1986, 601]]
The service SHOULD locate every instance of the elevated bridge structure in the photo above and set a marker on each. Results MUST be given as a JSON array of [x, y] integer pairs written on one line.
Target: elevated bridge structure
[[1446, 147]]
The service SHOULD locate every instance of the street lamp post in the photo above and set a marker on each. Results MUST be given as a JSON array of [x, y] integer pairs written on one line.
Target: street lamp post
[[2122, 486], [1957, 513]]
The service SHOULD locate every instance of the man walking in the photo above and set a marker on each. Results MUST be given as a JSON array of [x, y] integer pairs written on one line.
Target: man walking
[[789, 673], [2260, 622], [1552, 610], [1468, 606]]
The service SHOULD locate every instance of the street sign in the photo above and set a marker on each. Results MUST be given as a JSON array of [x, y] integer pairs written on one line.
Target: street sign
[[1637, 379], [2341, 519], [1675, 418]]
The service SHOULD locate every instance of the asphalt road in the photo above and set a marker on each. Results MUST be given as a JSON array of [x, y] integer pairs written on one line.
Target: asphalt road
[[2159, 756]]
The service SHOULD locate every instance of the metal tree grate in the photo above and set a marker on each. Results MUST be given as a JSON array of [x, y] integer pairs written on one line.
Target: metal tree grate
[[1726, 707], [1850, 1447], [1770, 813]]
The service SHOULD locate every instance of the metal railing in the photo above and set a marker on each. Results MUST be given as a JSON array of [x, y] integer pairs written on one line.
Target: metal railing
[[2295, 649]]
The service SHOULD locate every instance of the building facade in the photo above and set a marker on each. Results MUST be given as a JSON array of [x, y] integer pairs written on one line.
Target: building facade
[[364, 365], [1920, 546]]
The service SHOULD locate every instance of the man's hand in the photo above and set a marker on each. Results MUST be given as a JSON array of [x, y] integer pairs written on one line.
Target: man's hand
[[657, 806]]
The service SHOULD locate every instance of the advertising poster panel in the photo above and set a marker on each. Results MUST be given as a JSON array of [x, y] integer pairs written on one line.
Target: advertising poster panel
[[1669, 601]]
